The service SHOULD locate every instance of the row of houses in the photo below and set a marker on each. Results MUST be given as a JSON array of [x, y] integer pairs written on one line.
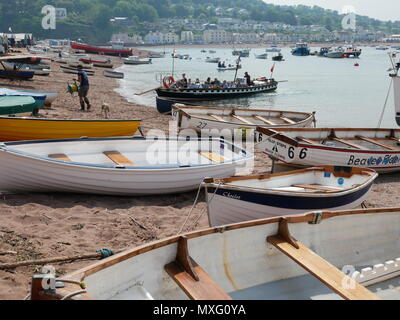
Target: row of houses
[[220, 36]]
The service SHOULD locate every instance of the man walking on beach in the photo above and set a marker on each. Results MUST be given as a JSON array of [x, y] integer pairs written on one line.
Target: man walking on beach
[[83, 88]]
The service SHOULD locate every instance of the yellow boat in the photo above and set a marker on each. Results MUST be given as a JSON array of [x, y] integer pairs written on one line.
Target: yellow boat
[[25, 128]]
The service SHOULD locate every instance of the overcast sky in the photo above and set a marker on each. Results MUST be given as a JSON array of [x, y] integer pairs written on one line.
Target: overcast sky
[[378, 9]]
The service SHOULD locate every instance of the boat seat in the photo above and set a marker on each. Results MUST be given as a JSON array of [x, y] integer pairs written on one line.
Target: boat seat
[[216, 117], [242, 119], [212, 156], [118, 158], [204, 289], [287, 120], [307, 140], [321, 269], [316, 187], [269, 122], [59, 156], [378, 143], [350, 144]]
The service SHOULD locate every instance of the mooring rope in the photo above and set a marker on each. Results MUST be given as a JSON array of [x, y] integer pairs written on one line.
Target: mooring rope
[[384, 106]]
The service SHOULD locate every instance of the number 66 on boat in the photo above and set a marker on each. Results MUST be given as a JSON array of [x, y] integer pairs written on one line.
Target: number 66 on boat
[[377, 149]]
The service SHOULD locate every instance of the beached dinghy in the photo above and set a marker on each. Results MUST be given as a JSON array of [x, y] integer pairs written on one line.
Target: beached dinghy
[[39, 97], [75, 71], [17, 104], [113, 74], [377, 149], [116, 166], [237, 121], [233, 200], [25, 128], [291, 258]]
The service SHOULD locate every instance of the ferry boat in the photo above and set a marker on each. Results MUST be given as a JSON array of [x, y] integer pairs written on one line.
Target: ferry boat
[[168, 90], [301, 49]]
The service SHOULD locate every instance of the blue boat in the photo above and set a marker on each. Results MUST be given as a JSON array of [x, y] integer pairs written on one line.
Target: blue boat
[[301, 49], [16, 75]]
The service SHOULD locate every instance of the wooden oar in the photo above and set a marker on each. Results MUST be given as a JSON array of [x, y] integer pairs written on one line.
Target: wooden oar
[[146, 91]]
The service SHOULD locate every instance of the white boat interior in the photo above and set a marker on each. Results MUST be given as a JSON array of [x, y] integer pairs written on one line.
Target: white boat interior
[[133, 153], [255, 117], [350, 254], [358, 139], [311, 181]]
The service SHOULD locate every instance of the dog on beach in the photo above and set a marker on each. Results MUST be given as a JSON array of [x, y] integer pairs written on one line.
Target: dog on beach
[[105, 109]]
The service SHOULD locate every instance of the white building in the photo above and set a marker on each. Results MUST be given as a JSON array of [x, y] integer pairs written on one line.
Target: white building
[[161, 38], [187, 37], [216, 36], [127, 38]]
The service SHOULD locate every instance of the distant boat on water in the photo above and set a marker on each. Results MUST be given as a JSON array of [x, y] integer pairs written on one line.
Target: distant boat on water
[[301, 49]]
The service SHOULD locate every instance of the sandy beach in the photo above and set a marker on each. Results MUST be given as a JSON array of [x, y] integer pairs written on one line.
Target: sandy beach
[[37, 226]]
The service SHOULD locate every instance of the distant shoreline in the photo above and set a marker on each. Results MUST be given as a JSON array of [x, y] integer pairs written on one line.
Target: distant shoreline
[[262, 45]]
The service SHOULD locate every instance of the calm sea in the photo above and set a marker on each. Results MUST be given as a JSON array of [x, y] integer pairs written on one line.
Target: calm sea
[[341, 94]]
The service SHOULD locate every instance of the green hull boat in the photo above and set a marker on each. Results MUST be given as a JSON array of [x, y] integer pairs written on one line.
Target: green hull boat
[[16, 104]]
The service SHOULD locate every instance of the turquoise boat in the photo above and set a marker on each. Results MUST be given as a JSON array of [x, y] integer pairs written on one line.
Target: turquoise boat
[[16, 104], [39, 97]]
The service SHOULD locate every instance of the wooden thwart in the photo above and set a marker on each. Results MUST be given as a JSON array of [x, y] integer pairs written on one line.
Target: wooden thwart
[[212, 156], [191, 278], [59, 156], [242, 119], [350, 144], [118, 158], [269, 122], [307, 140], [378, 143], [203, 289], [287, 120], [322, 270], [217, 117], [316, 187]]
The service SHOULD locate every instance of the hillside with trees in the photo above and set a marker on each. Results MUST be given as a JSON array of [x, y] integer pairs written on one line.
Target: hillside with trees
[[90, 19]]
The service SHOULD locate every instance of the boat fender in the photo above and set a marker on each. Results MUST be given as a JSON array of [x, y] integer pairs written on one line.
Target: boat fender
[[168, 81], [105, 253]]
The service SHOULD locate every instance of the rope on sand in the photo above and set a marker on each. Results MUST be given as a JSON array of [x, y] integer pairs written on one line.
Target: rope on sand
[[100, 254]]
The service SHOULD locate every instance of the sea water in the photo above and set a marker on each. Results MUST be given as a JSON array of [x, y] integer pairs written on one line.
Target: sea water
[[341, 94]]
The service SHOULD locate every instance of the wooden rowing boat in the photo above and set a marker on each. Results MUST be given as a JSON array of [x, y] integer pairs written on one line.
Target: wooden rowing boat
[[377, 149], [19, 128], [116, 166], [234, 121], [238, 199], [325, 255]]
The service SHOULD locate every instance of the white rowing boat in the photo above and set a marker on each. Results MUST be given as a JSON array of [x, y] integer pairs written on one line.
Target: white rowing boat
[[116, 166], [113, 74], [233, 121], [368, 148], [238, 199], [320, 255]]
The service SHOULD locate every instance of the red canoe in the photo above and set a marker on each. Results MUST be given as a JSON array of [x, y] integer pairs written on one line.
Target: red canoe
[[99, 50]]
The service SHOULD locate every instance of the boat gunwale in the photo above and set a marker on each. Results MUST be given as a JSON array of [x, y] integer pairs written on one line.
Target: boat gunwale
[[245, 155], [220, 183], [308, 217], [69, 120], [291, 141], [310, 116]]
